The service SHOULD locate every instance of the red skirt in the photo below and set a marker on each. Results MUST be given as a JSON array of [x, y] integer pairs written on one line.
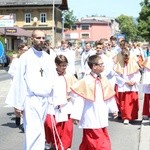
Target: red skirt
[[95, 139], [48, 129], [118, 97], [129, 105], [64, 130], [146, 105]]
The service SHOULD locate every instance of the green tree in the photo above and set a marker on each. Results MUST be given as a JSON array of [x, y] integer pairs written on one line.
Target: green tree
[[144, 20], [128, 27], [69, 19]]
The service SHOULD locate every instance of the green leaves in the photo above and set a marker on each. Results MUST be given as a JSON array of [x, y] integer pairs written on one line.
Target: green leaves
[[69, 19], [144, 20]]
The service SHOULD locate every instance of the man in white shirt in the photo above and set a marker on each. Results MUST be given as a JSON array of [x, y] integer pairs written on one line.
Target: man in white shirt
[[31, 89], [84, 58], [69, 54]]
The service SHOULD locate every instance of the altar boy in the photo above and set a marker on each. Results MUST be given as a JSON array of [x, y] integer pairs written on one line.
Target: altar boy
[[146, 89], [128, 78], [58, 124], [93, 98]]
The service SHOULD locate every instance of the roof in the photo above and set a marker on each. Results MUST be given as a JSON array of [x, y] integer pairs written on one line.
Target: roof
[[19, 32], [17, 3], [92, 21]]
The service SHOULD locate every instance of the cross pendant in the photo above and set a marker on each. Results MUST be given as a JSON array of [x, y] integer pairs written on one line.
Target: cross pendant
[[41, 71]]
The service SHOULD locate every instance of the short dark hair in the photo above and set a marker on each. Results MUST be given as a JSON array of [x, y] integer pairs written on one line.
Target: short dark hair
[[93, 60], [21, 46], [60, 59], [113, 38]]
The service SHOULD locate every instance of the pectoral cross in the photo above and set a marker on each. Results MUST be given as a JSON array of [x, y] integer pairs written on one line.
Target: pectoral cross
[[41, 71]]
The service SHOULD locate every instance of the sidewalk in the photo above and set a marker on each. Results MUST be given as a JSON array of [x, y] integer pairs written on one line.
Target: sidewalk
[[144, 143]]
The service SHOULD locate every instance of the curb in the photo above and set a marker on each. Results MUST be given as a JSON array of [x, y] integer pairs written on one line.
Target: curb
[[144, 143]]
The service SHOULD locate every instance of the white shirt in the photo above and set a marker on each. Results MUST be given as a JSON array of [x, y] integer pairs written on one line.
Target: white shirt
[[92, 115], [84, 58], [70, 55], [121, 79], [146, 81], [28, 80]]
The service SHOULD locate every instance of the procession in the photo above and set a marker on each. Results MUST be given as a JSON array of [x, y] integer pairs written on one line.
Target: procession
[[56, 90]]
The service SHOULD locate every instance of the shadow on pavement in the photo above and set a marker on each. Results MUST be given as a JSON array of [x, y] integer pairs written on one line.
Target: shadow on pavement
[[146, 123], [10, 124], [10, 113], [119, 120]]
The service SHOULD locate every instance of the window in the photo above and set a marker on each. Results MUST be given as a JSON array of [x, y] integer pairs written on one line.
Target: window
[[43, 17], [28, 18], [85, 36], [74, 27], [85, 27]]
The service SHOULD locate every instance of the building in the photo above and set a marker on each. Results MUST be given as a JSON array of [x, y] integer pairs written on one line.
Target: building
[[91, 29], [36, 14]]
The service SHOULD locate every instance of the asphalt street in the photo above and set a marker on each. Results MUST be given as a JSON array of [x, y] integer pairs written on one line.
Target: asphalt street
[[135, 136]]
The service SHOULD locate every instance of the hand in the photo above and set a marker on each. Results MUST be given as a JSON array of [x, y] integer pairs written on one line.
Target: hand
[[18, 112], [68, 98], [129, 83], [75, 121], [115, 114], [132, 83]]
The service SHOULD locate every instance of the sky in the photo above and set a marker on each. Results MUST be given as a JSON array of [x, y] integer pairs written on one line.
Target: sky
[[109, 8]]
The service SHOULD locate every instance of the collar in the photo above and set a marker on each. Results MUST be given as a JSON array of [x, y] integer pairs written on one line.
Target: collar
[[95, 75], [60, 73], [38, 53]]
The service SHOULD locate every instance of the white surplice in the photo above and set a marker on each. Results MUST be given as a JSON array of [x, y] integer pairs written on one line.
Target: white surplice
[[84, 59], [146, 81], [92, 115], [62, 107], [13, 67], [121, 80], [30, 92]]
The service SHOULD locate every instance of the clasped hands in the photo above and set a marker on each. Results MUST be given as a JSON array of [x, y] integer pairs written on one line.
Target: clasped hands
[[115, 115], [130, 83]]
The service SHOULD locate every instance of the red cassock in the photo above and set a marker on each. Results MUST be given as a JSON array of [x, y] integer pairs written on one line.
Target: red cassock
[[118, 97], [146, 105], [64, 130], [129, 105], [95, 139]]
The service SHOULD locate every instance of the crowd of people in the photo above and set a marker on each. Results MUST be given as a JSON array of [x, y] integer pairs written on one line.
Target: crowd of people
[[51, 95]]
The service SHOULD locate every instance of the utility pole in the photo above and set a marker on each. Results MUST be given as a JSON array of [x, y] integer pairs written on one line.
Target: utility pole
[[53, 26], [63, 21]]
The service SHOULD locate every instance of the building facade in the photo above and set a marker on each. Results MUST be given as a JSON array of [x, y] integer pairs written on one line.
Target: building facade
[[91, 29], [36, 14]]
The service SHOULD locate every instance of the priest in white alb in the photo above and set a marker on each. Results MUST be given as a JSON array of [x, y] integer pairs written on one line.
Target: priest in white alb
[[31, 90]]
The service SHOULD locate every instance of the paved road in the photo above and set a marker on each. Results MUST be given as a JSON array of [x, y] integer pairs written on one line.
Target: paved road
[[123, 137]]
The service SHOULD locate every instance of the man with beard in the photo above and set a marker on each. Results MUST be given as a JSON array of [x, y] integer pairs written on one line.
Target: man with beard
[[31, 90]]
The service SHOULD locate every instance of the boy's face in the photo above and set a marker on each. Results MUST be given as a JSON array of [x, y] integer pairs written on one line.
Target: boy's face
[[61, 67], [125, 58], [64, 45], [99, 49], [87, 47], [99, 67]]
